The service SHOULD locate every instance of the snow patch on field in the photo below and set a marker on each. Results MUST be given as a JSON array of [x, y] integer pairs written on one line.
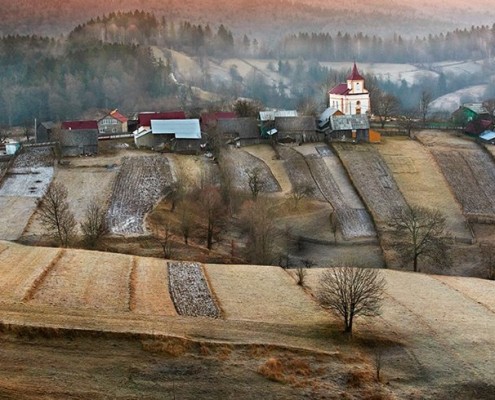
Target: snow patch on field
[[451, 101], [27, 182]]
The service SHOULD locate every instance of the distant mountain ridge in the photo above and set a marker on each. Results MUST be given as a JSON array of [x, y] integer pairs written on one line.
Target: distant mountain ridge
[[267, 19]]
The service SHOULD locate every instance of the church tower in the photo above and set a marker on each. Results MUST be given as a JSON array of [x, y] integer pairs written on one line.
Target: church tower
[[352, 97]]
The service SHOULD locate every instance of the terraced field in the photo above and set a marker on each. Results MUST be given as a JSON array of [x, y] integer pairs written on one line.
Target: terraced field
[[421, 181], [372, 178], [140, 183]]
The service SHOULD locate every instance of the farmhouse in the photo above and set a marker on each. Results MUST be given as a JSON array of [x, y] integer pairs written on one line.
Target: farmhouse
[[180, 135], [144, 118], [112, 123], [473, 117], [79, 138], [243, 131], [298, 129], [351, 98]]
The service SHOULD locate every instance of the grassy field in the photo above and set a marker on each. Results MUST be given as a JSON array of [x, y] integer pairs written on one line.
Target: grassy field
[[435, 332], [421, 181]]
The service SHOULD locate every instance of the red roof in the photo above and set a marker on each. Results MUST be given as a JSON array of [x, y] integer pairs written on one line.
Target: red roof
[[355, 75], [146, 117], [478, 126], [211, 118], [118, 116], [79, 125], [341, 89]]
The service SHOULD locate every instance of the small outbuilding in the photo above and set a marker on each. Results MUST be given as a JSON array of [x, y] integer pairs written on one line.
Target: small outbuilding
[[242, 131], [298, 129], [79, 138], [352, 128], [44, 132]]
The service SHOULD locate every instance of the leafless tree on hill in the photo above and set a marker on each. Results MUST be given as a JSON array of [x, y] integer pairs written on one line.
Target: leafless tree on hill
[[300, 191], [255, 181], [386, 105], [56, 216], [94, 225], [420, 233], [213, 210], [351, 292]]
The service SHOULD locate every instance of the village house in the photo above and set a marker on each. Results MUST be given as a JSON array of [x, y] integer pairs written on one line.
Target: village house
[[352, 128], [297, 129], [241, 131], [178, 135], [144, 118], [79, 138], [351, 98], [112, 123], [474, 118], [209, 121]]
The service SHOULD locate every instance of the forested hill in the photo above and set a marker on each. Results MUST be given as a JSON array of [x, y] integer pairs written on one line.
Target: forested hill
[[264, 18]]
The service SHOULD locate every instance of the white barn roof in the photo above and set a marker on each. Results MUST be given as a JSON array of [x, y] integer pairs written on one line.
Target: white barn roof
[[181, 128], [271, 115]]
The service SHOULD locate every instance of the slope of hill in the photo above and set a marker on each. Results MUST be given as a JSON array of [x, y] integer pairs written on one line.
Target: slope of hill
[[436, 332]]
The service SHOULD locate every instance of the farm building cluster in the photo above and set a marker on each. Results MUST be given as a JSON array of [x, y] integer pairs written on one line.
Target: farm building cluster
[[476, 121], [346, 119]]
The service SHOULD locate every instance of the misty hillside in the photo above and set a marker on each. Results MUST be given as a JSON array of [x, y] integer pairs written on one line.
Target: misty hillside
[[272, 18]]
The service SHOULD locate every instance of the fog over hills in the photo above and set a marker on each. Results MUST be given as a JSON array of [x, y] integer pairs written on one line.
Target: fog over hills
[[264, 18]]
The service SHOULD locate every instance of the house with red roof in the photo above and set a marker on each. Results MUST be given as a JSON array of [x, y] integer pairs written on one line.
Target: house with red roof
[[351, 98], [113, 123], [79, 138], [144, 118]]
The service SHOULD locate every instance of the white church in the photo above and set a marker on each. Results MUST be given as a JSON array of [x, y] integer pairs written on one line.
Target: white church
[[351, 98]]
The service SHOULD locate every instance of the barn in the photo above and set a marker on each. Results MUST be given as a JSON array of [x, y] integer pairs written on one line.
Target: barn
[[352, 128], [179, 135], [297, 129], [79, 138], [242, 131]]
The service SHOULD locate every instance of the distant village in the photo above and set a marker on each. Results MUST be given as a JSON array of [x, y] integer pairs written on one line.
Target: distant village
[[347, 118]]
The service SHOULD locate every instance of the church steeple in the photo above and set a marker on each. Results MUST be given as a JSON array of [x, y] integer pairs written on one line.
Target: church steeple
[[355, 75]]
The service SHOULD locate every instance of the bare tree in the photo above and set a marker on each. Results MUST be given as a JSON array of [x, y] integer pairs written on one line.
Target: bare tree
[[176, 192], [213, 209], [164, 236], [300, 191], [420, 233], [94, 225], [386, 105], [186, 220], [55, 215], [407, 121], [334, 225], [259, 221], [247, 108], [255, 181], [351, 292], [424, 105]]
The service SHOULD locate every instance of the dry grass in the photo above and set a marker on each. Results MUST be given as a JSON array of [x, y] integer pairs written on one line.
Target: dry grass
[[258, 293], [20, 269], [83, 279], [15, 220], [421, 182], [151, 294]]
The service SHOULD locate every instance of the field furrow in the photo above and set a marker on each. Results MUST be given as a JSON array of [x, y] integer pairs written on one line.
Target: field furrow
[[354, 223], [298, 171], [464, 181], [372, 178], [421, 181], [190, 291], [150, 288], [140, 184], [87, 280], [20, 267]]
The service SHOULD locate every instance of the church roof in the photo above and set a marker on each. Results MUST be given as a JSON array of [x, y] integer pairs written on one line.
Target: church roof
[[341, 89], [355, 75]]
